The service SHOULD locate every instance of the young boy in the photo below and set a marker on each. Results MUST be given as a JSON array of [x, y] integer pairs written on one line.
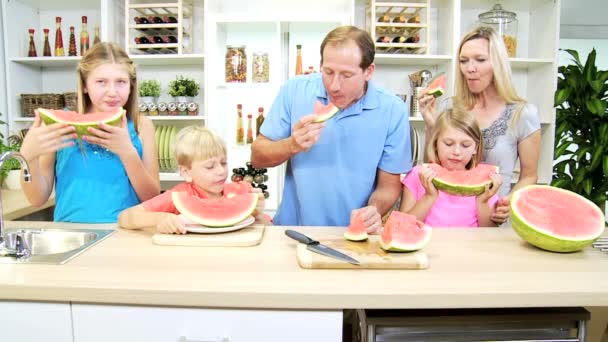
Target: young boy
[[201, 157]]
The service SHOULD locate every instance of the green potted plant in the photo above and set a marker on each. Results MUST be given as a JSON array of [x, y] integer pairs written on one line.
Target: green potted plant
[[11, 169], [183, 87], [149, 91], [581, 133]]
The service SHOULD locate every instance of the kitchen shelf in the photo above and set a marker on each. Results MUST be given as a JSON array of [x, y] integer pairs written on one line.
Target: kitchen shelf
[[176, 117], [48, 61], [527, 63], [170, 177], [403, 59]]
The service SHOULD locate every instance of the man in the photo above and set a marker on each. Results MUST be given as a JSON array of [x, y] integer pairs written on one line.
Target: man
[[349, 164]]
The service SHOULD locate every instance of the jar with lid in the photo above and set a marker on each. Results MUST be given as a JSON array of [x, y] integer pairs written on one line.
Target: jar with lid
[[260, 67], [236, 64], [505, 24]]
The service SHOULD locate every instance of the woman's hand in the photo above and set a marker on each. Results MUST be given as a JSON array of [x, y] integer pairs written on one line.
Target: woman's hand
[[428, 108], [114, 138], [41, 139], [171, 224], [371, 218], [426, 178]]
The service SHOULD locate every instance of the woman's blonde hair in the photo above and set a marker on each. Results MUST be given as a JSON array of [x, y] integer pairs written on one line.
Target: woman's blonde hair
[[460, 119], [501, 72], [108, 53], [197, 143]]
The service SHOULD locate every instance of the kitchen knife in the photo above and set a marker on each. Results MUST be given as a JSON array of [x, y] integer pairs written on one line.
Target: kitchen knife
[[318, 247]]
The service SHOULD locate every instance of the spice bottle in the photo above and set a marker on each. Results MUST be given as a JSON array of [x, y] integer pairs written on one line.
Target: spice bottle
[[84, 36], [32, 49], [240, 134], [249, 129], [47, 46], [259, 121], [299, 59], [72, 47], [96, 39], [58, 38]]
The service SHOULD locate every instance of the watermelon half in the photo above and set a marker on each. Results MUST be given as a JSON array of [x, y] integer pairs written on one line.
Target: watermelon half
[[437, 86], [404, 233], [555, 219], [463, 182], [80, 121], [215, 212], [356, 229], [324, 112]]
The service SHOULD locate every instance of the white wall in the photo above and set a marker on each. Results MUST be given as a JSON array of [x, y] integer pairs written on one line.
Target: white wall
[[584, 46]]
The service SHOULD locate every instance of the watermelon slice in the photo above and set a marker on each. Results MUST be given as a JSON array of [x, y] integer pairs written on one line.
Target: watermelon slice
[[437, 86], [463, 182], [404, 233], [555, 219], [215, 212], [237, 188], [324, 112], [80, 121], [356, 229]]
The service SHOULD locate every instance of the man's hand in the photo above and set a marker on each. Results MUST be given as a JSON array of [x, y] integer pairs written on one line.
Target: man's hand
[[371, 218], [305, 133]]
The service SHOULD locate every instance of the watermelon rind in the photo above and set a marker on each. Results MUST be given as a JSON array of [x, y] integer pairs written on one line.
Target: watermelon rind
[[327, 116], [461, 189], [404, 247], [436, 92], [355, 237], [212, 222], [544, 239], [48, 117]]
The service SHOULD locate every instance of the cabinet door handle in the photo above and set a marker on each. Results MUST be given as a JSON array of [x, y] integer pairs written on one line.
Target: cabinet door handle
[[219, 339]]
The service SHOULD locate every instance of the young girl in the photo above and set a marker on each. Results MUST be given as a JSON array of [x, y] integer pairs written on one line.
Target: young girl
[[201, 157], [456, 144], [113, 168]]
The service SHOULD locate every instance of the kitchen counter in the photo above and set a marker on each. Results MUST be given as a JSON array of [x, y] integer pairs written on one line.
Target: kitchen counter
[[469, 268], [16, 205]]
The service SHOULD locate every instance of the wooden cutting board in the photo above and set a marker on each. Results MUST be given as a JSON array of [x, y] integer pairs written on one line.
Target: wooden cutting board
[[246, 237], [368, 253]]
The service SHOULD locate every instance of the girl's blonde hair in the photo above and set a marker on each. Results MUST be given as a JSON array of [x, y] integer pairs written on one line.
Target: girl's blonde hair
[[460, 119], [197, 143], [502, 72], [108, 53]]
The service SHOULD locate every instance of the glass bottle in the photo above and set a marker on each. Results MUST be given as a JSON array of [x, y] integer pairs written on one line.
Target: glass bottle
[[84, 36], [47, 46], [72, 46], [58, 38], [259, 121], [299, 59], [240, 138], [96, 39], [32, 49], [260, 66], [505, 24], [249, 129], [236, 64]]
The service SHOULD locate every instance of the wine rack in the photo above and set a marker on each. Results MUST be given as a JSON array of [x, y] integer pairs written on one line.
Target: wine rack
[[400, 27], [158, 28]]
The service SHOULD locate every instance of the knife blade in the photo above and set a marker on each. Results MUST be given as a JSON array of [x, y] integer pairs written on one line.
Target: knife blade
[[317, 247]]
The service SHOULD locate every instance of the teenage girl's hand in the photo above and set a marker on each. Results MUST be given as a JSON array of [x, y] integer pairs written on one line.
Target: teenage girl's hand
[[114, 138], [500, 214], [171, 224], [491, 189], [41, 139], [428, 107], [426, 178], [371, 218], [305, 133]]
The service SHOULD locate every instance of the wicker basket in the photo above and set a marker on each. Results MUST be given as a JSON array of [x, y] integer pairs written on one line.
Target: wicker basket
[[31, 102], [70, 100]]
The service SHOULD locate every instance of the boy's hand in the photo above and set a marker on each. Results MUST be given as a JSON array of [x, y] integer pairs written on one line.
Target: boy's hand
[[305, 133], [426, 178], [258, 213], [41, 139], [371, 218], [171, 224], [491, 189]]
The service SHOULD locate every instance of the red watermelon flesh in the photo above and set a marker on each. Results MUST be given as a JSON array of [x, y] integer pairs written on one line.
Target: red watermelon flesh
[[555, 219], [437, 86], [237, 188], [356, 229], [404, 233], [324, 112], [215, 212], [81, 121], [463, 182]]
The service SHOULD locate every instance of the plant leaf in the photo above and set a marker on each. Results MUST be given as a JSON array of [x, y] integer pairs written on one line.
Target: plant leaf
[[597, 157], [605, 166], [595, 106], [575, 58], [587, 185], [561, 95]]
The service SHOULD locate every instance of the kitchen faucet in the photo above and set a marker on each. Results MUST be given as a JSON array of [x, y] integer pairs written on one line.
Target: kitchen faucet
[[19, 248]]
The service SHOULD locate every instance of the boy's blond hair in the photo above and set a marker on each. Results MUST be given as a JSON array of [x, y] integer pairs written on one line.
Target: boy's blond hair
[[460, 119], [197, 143]]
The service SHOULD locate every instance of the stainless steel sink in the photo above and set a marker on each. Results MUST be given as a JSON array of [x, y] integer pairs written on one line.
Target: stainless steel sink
[[52, 246]]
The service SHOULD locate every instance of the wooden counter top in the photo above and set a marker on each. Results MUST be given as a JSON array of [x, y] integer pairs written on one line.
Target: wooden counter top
[[16, 205], [470, 268]]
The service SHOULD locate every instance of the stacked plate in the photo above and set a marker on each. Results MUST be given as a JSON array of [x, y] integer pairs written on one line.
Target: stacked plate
[[165, 142]]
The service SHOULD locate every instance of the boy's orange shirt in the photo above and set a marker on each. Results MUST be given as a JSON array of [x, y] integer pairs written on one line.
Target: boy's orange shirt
[[164, 203]]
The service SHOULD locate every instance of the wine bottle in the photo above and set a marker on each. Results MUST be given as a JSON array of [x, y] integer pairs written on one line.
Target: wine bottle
[[155, 20], [383, 39], [169, 20], [399, 39], [158, 40]]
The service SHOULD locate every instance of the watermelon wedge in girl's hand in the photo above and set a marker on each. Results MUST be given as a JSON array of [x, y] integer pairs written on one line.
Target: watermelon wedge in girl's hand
[[81, 122], [324, 112]]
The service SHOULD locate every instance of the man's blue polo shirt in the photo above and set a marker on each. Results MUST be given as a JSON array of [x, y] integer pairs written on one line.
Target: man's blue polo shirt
[[337, 174]]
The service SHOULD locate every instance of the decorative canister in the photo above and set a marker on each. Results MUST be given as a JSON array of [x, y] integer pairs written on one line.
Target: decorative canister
[[505, 24], [260, 67], [162, 108], [192, 108], [182, 108], [236, 64], [143, 109], [152, 109], [172, 108]]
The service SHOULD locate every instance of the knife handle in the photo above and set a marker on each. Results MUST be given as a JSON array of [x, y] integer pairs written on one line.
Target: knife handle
[[300, 237]]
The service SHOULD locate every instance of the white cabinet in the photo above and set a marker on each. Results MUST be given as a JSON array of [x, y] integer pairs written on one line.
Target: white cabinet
[[94, 323], [35, 321]]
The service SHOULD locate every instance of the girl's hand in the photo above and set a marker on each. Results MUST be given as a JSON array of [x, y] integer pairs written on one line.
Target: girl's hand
[[41, 139], [500, 214], [491, 189], [114, 138], [371, 218], [428, 108], [171, 224], [426, 178]]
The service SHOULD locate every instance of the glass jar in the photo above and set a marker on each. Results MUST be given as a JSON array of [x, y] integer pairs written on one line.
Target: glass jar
[[236, 64], [505, 24], [260, 67]]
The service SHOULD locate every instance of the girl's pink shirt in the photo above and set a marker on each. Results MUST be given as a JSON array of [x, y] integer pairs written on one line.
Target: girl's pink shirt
[[448, 210]]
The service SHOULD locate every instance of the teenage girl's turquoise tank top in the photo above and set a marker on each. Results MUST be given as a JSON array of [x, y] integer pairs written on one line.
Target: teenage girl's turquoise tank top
[[91, 185]]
